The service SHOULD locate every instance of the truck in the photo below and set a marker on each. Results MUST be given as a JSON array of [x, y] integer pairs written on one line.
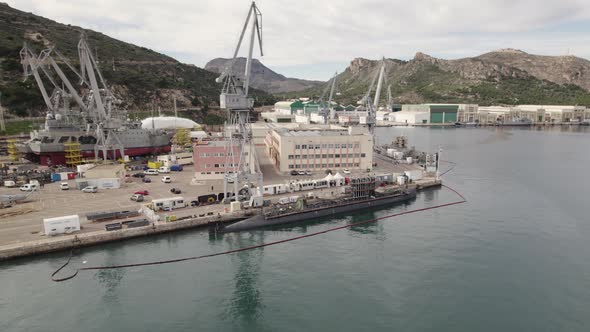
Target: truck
[[176, 168], [164, 170]]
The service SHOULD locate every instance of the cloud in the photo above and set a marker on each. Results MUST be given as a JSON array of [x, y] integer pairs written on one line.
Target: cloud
[[310, 32]]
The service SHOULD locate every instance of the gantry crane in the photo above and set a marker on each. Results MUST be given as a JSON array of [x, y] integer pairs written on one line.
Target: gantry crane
[[327, 111], [98, 105], [241, 165]]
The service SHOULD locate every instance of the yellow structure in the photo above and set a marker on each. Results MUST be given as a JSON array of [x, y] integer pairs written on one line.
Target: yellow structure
[[73, 154], [13, 152]]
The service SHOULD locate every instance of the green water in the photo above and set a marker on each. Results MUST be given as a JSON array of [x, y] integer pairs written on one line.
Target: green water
[[516, 257]]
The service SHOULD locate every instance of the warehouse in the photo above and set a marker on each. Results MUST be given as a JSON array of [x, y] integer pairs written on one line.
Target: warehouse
[[437, 113], [320, 148]]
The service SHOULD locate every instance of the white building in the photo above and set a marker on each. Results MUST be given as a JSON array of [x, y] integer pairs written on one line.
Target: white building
[[412, 117], [320, 148]]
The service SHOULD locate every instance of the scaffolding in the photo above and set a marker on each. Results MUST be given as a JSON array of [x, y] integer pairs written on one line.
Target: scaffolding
[[13, 152], [363, 187], [73, 154]]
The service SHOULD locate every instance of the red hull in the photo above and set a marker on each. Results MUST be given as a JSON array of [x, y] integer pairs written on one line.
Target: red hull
[[59, 158]]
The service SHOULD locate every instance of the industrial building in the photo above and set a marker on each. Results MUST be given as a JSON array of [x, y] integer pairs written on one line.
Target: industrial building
[[210, 158], [320, 148], [435, 113]]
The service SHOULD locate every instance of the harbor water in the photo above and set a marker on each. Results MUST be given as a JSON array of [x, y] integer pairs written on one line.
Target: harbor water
[[515, 257]]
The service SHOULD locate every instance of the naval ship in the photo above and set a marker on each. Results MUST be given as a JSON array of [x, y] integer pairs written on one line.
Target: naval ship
[[360, 194], [46, 144]]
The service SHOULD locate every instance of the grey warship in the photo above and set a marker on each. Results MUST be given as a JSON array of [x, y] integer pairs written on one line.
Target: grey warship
[[360, 194]]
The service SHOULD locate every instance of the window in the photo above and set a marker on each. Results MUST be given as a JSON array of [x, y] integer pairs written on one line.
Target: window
[[297, 166], [337, 155], [297, 156], [318, 156], [331, 146], [303, 156], [350, 145], [356, 145], [336, 165], [304, 166], [304, 146], [297, 146], [357, 165], [291, 166], [324, 165], [291, 156], [317, 146], [330, 165], [324, 155], [337, 146], [216, 165], [324, 146], [331, 155], [363, 155]]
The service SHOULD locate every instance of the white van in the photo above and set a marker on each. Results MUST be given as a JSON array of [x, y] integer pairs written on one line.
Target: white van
[[151, 171], [29, 187], [164, 170], [166, 179], [64, 186]]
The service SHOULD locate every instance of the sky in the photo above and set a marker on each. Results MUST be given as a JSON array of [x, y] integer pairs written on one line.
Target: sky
[[312, 39]]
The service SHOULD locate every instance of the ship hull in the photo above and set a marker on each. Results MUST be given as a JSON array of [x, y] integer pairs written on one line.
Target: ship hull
[[59, 157], [261, 221]]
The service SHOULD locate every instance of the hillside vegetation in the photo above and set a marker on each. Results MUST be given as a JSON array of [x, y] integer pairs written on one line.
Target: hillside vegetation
[[138, 75]]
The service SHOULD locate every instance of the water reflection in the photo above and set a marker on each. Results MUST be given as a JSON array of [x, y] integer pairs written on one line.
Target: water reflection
[[246, 301], [110, 279]]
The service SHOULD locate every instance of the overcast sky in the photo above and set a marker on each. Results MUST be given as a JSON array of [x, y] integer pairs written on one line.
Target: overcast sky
[[314, 38]]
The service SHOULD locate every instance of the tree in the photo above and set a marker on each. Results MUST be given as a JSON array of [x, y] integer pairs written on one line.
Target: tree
[[182, 137]]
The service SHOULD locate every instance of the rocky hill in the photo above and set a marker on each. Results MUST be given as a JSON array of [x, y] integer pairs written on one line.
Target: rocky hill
[[137, 75], [501, 77], [262, 78]]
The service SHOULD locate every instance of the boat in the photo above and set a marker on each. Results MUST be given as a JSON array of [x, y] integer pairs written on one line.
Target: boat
[[361, 195], [47, 145]]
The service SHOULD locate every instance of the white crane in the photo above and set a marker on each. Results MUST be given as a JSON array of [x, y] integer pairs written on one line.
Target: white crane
[[328, 111], [241, 166]]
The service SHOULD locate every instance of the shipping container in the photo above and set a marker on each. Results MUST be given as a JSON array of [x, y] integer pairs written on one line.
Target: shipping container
[[169, 203], [112, 227]]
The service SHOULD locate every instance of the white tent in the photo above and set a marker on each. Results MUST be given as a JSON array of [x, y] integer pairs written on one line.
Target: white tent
[[330, 177], [167, 122], [339, 179]]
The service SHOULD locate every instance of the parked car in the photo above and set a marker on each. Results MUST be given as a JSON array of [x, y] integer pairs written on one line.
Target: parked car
[[151, 171], [346, 171], [308, 173], [138, 175], [146, 180], [142, 192], [137, 197], [175, 191], [294, 172], [166, 179], [90, 189], [301, 172], [29, 187], [64, 186]]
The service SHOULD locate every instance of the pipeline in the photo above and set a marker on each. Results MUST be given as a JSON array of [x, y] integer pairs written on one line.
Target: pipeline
[[112, 267]]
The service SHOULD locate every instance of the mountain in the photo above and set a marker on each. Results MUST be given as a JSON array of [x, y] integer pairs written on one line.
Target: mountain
[[501, 77], [138, 75], [262, 78]]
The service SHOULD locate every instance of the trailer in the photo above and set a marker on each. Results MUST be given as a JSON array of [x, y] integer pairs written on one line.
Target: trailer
[[61, 225], [170, 203]]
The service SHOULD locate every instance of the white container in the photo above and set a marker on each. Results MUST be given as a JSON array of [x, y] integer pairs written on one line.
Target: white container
[[414, 175], [61, 225], [63, 176], [168, 203], [235, 206], [409, 160], [401, 180], [9, 184]]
